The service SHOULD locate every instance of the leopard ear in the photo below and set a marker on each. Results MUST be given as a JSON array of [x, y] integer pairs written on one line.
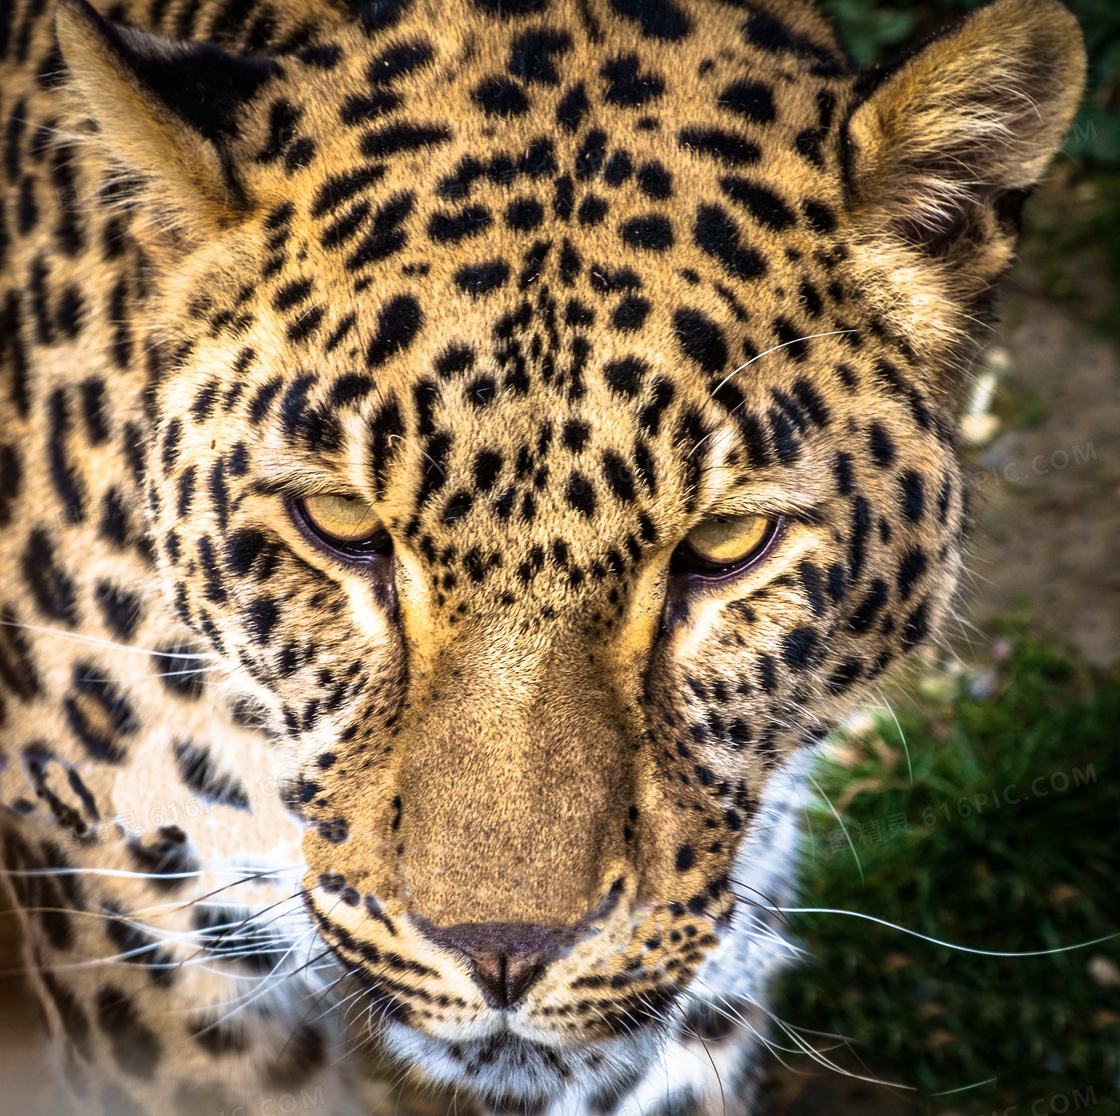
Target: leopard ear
[[166, 112], [944, 150]]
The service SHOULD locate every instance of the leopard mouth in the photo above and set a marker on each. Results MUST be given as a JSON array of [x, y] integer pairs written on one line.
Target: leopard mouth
[[509, 1073]]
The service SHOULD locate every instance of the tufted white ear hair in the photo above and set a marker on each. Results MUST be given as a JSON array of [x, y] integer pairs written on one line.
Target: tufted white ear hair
[[165, 112], [963, 128]]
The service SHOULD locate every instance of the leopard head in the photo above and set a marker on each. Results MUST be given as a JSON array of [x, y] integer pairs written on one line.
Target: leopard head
[[553, 413]]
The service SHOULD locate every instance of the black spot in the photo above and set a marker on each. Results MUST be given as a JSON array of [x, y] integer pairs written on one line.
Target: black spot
[[200, 773], [660, 19], [652, 231], [575, 434], [508, 8], [261, 617], [618, 169], [701, 340], [291, 295], [630, 313], [842, 471], [572, 108], [120, 609], [913, 496], [820, 217], [487, 465], [524, 214], [480, 279], [625, 375], [457, 507], [98, 713], [626, 85], [762, 204], [11, 481], [564, 198], [180, 671], [341, 187], [64, 476], [793, 344], [456, 359], [717, 235], [135, 1048], [501, 97], [350, 387], [592, 210], [750, 99], [857, 543], [808, 144], [868, 609], [51, 588], [398, 60], [910, 569], [655, 181], [398, 323], [395, 138], [591, 155], [452, 227], [619, 477], [531, 57], [916, 627], [378, 15], [386, 235], [300, 154], [882, 445], [813, 582], [686, 857], [799, 648], [725, 146], [580, 494]]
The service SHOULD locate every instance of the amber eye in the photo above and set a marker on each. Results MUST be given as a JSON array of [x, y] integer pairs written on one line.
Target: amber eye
[[344, 523], [725, 543]]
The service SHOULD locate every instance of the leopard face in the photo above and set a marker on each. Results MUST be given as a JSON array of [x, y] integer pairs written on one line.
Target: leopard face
[[552, 410]]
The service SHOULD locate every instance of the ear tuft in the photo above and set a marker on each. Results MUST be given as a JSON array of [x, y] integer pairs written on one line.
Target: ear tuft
[[166, 111], [944, 151]]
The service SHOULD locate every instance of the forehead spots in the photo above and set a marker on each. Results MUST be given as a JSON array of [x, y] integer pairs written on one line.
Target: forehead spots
[[751, 100], [627, 84], [531, 56], [398, 323]]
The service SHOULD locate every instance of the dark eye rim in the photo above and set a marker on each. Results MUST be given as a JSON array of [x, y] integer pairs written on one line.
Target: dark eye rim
[[377, 547], [686, 563]]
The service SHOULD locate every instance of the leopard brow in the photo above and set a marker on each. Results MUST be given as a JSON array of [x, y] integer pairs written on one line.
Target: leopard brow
[[770, 507], [301, 484]]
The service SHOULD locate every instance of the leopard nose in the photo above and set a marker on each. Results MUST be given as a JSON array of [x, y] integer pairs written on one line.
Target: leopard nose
[[507, 958]]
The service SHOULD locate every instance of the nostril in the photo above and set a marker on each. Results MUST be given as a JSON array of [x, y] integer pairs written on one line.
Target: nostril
[[507, 958]]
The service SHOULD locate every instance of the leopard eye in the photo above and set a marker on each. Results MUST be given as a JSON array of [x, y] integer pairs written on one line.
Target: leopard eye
[[344, 523], [726, 543]]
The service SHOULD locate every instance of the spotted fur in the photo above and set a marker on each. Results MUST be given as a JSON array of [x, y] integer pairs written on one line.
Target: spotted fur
[[548, 283]]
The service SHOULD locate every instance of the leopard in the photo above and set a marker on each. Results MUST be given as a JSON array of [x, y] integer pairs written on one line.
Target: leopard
[[459, 460]]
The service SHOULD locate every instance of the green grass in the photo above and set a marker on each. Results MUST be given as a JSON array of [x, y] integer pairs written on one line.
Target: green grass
[[940, 857]]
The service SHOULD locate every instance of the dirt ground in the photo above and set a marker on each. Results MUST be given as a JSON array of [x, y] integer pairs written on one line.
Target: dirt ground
[[1046, 493]]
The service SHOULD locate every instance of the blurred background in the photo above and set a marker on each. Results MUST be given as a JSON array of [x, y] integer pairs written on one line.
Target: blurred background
[[979, 803]]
